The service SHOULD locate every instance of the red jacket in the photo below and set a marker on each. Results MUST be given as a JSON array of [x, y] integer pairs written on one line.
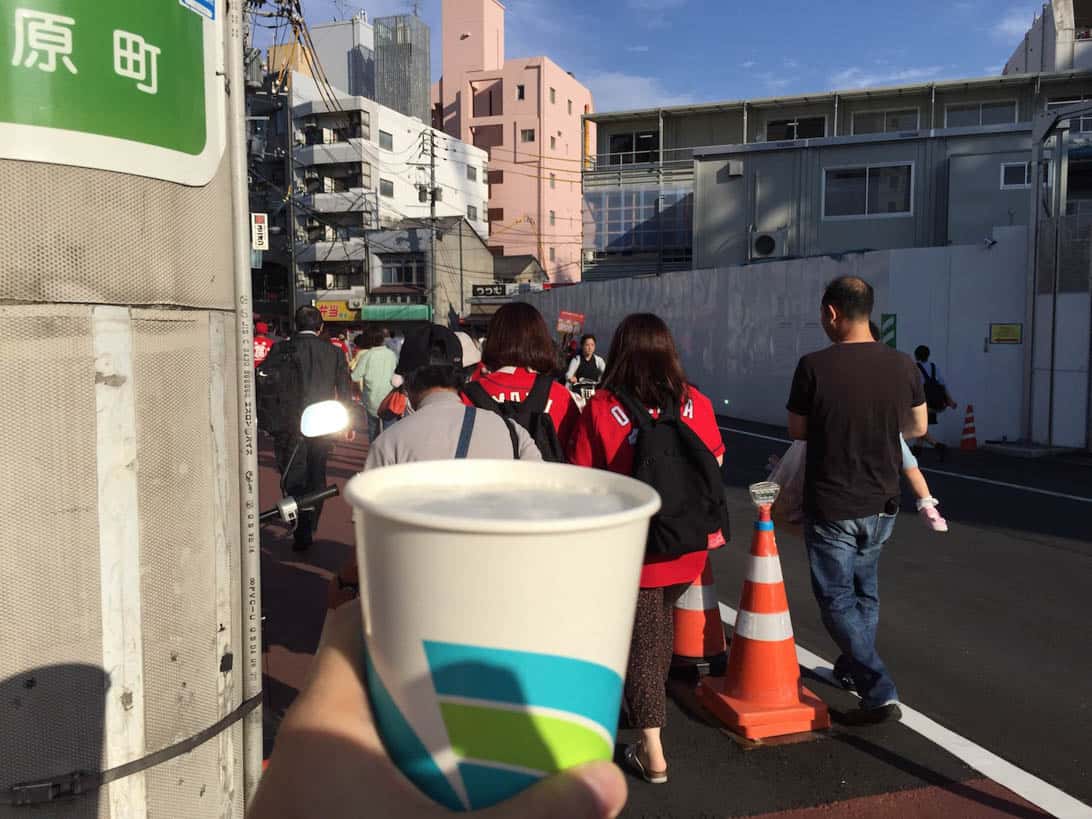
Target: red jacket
[[513, 384], [602, 440]]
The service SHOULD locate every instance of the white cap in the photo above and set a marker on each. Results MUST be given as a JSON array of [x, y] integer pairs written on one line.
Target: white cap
[[472, 354]]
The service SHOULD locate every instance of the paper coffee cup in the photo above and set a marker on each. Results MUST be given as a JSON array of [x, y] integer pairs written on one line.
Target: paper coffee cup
[[496, 644]]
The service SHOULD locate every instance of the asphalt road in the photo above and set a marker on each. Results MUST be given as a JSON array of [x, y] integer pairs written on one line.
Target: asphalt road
[[983, 628]]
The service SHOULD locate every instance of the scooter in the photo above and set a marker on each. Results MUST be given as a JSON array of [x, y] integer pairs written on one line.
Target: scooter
[[319, 419]]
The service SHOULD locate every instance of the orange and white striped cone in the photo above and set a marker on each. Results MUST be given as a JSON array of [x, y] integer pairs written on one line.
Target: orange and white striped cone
[[969, 440], [761, 695], [699, 632]]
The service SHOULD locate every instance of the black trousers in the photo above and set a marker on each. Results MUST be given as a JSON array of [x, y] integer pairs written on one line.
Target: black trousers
[[306, 472]]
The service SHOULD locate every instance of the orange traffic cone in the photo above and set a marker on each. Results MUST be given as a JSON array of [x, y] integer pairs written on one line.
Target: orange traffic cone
[[969, 441], [699, 632], [761, 695]]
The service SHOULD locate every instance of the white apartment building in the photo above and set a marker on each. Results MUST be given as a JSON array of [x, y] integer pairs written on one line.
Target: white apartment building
[[359, 166]]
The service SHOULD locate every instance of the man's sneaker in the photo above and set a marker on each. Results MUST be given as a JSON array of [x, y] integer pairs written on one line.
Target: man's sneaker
[[888, 712], [927, 510]]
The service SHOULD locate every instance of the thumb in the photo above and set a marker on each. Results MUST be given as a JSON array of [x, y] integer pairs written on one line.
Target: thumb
[[596, 790]]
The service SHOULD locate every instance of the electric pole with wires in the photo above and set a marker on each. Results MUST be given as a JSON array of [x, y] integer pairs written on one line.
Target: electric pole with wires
[[432, 286]]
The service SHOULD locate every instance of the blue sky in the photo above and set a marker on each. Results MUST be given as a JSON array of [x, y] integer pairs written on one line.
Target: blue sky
[[638, 53]]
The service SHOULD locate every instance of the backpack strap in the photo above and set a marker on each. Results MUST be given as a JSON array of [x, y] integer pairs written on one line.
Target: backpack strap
[[924, 374], [508, 422], [463, 446], [638, 415], [479, 397], [933, 370], [539, 395]]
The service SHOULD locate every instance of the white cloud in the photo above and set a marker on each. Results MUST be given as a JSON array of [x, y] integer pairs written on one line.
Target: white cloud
[[618, 91], [994, 69], [654, 14], [855, 77], [637, 49], [749, 64]]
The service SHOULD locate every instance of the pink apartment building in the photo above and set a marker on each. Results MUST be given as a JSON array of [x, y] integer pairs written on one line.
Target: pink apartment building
[[526, 113]]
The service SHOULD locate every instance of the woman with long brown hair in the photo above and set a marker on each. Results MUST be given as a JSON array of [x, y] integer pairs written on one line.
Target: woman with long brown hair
[[518, 350], [644, 365]]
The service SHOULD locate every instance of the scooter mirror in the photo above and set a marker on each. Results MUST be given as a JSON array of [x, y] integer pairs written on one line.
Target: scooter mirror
[[324, 418]]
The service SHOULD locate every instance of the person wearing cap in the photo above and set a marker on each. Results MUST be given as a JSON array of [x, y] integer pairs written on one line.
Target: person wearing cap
[[263, 343], [440, 427]]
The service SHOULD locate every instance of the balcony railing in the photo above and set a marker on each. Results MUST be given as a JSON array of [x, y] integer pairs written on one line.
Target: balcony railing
[[643, 157]]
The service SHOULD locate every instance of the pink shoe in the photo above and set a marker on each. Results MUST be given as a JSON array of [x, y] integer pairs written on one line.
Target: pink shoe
[[927, 509]]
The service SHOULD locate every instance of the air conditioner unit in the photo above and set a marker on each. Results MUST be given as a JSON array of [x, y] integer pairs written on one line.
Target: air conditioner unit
[[769, 244], [356, 304], [310, 122]]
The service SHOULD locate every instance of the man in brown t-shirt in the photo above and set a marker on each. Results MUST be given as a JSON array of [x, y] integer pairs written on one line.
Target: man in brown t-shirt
[[850, 401]]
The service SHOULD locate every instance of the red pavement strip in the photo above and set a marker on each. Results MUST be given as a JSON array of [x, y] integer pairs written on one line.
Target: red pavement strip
[[294, 588], [965, 800]]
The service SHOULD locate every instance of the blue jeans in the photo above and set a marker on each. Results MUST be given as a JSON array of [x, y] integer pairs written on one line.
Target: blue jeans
[[373, 427], [844, 557]]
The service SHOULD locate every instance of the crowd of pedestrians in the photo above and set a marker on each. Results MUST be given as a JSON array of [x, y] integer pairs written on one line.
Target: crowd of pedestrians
[[856, 403]]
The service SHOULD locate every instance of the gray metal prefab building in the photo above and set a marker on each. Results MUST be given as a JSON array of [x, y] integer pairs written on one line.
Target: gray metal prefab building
[[874, 192]]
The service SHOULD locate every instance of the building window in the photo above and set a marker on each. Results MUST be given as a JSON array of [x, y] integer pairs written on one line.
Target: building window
[[553, 218], [633, 148], [627, 220], [472, 213], [403, 268], [496, 214], [553, 180], [553, 96], [879, 122], [799, 128], [553, 143], [553, 255], [873, 191], [495, 177], [570, 108], [527, 135], [974, 114], [471, 173], [386, 188], [1015, 175], [386, 141], [521, 92]]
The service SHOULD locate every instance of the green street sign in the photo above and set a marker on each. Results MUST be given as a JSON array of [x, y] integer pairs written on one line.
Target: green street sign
[[888, 328], [113, 84]]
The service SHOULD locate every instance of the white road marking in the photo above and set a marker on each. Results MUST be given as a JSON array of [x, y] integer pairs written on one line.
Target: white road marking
[[1037, 491], [1040, 793]]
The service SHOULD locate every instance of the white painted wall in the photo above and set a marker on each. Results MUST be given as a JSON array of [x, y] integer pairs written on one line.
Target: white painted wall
[[741, 330], [1071, 376], [407, 165]]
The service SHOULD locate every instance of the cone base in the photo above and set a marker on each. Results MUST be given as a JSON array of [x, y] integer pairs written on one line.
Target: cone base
[[756, 721]]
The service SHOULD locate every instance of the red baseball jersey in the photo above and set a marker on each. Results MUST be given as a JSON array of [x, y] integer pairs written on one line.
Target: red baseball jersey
[[262, 346], [513, 384], [605, 438]]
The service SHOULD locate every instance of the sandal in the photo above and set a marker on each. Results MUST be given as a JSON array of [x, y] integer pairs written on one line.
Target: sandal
[[633, 760]]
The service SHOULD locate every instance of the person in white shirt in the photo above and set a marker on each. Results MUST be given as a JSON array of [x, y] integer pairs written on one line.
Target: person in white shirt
[[586, 366]]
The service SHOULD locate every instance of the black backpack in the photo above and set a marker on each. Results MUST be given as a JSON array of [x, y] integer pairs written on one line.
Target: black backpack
[[673, 460], [936, 398], [279, 390], [530, 414]]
